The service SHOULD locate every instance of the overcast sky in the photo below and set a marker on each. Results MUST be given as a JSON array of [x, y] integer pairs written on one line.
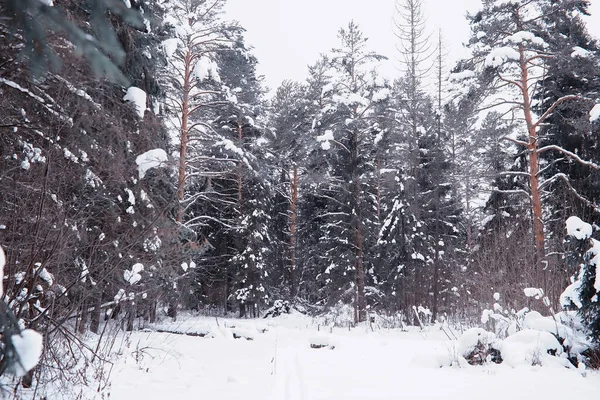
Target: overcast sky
[[288, 35]]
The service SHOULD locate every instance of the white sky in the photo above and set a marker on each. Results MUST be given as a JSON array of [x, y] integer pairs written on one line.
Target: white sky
[[288, 35]]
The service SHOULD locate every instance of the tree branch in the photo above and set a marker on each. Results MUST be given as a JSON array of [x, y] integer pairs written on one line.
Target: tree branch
[[570, 154]]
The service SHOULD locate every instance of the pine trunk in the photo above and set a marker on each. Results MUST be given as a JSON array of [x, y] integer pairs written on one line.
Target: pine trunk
[[536, 200]]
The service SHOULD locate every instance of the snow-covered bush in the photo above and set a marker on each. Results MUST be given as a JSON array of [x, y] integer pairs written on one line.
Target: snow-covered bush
[[528, 337], [279, 307], [532, 347], [339, 315], [479, 346], [501, 321]]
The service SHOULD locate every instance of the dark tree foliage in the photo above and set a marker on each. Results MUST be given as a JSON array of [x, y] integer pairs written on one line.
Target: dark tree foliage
[[574, 70], [582, 254], [37, 22]]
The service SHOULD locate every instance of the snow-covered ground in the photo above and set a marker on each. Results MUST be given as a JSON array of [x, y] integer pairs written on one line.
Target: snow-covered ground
[[278, 363]]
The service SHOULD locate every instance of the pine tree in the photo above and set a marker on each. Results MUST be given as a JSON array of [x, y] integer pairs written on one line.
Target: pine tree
[[511, 54], [574, 70]]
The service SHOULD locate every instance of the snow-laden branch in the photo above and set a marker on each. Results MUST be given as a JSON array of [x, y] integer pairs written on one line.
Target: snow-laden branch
[[541, 171], [516, 173], [570, 154], [565, 179], [503, 79], [551, 109], [192, 222], [519, 142]]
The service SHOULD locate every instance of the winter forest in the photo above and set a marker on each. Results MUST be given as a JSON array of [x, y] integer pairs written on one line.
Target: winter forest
[[151, 184]]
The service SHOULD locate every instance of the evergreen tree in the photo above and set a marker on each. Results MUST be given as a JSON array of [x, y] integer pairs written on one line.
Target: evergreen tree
[[245, 142], [510, 54], [574, 70], [348, 138], [582, 257], [291, 121]]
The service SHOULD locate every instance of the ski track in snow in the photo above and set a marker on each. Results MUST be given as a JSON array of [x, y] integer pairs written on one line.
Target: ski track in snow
[[280, 365]]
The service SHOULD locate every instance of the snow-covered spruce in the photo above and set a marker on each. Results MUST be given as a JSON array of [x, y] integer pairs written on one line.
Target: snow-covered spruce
[[583, 256]]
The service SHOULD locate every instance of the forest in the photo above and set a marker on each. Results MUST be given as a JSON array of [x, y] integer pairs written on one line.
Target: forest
[[146, 171]]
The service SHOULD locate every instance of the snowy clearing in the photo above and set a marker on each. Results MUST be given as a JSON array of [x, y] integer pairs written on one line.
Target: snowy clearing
[[279, 363]]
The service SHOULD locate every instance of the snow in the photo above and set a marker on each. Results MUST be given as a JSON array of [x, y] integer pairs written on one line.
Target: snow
[[524, 36], [536, 321], [595, 113], [170, 46], [133, 276], [48, 3], [459, 76], [579, 52], [469, 340], [571, 294], [534, 292], [369, 364], [530, 347], [120, 295], [138, 97], [382, 94], [325, 139], [582, 230], [130, 196], [229, 145], [150, 159], [92, 179], [28, 346], [378, 137], [320, 340], [500, 55], [577, 228], [206, 69], [242, 333], [44, 275], [350, 99], [500, 3]]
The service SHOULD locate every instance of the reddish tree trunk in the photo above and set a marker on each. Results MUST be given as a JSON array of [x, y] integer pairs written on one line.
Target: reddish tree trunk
[[536, 200]]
